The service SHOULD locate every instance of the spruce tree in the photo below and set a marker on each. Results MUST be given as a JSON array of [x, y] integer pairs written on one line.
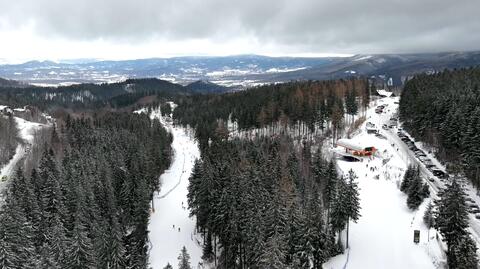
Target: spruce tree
[[352, 200], [184, 259], [463, 255], [452, 221]]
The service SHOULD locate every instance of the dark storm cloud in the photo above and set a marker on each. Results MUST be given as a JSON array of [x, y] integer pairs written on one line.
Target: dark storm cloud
[[306, 25]]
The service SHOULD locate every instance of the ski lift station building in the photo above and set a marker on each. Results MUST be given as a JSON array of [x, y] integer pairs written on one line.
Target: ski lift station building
[[355, 148]]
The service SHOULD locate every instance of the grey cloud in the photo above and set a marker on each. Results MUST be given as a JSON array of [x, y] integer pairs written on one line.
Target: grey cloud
[[303, 25]]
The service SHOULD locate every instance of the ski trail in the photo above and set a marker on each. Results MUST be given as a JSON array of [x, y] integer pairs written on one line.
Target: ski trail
[[176, 185], [170, 226]]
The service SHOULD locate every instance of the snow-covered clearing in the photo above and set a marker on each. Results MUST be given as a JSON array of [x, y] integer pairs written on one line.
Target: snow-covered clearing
[[170, 225], [27, 131], [383, 236]]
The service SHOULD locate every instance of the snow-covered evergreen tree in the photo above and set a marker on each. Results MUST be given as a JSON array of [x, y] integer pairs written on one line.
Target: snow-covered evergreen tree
[[452, 222], [184, 259]]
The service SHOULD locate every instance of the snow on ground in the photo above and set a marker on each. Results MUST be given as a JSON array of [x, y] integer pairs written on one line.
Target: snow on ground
[[383, 236], [437, 184], [27, 131], [170, 225]]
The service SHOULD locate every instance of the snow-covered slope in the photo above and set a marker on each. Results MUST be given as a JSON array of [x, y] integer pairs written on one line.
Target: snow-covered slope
[[27, 130], [170, 225], [383, 236]]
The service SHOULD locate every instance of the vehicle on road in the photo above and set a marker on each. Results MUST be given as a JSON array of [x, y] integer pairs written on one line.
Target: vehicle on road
[[439, 173], [475, 211]]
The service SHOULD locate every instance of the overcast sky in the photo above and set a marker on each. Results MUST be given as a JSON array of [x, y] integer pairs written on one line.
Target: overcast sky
[[127, 29]]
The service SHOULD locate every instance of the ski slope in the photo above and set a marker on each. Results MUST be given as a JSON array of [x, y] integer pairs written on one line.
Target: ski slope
[[170, 225], [383, 236]]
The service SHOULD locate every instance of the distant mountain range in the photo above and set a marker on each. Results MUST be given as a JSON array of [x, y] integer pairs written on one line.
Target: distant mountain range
[[238, 71]]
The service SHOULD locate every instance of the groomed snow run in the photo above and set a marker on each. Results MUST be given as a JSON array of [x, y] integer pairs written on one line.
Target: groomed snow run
[[170, 225], [383, 236]]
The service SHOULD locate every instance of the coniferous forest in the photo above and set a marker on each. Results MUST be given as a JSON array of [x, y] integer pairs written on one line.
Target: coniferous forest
[[320, 104], [443, 110], [86, 204], [267, 204]]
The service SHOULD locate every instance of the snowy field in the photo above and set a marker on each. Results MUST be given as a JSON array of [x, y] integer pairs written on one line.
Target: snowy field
[[383, 236], [170, 226]]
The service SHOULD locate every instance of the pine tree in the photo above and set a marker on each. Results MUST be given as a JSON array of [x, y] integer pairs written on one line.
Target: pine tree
[[452, 221], [463, 255], [168, 266], [428, 217], [273, 255], [407, 178], [330, 190], [184, 259], [352, 200], [351, 103], [415, 193], [340, 214]]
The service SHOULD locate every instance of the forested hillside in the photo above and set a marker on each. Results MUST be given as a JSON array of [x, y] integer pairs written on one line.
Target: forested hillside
[[8, 138], [86, 204], [314, 103], [90, 95], [268, 204], [443, 110], [205, 87]]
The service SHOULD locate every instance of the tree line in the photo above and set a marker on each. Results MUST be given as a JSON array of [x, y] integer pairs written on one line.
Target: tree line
[[90, 96], [442, 110], [86, 204], [316, 105]]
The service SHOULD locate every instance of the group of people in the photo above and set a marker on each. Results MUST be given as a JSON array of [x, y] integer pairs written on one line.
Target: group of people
[[173, 226]]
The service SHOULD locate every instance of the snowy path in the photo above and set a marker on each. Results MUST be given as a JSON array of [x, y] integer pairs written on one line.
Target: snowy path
[[383, 237], [27, 131], [171, 206]]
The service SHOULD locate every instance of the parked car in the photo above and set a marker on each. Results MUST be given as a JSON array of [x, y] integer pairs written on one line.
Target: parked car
[[477, 216], [439, 173], [381, 136], [430, 166], [475, 211], [420, 154], [473, 206], [423, 159]]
